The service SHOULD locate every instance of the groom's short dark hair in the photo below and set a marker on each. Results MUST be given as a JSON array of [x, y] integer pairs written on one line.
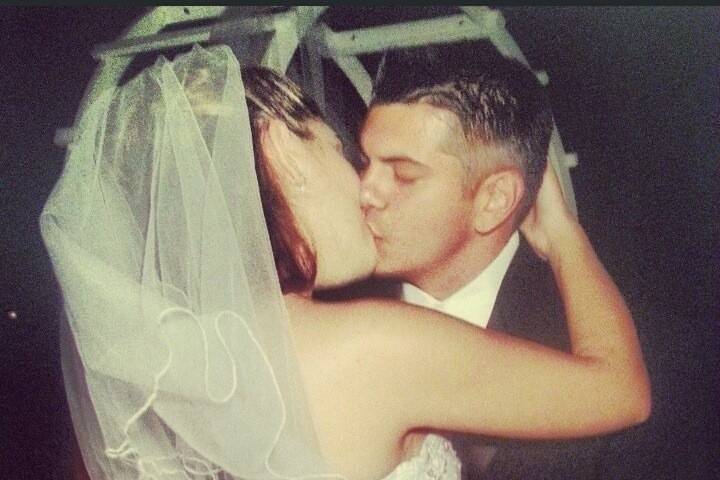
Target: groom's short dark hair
[[498, 101]]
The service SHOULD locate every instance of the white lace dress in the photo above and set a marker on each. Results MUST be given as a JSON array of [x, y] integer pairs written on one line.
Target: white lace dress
[[436, 460]]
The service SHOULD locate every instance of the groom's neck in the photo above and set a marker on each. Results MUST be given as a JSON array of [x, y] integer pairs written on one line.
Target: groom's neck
[[446, 277]]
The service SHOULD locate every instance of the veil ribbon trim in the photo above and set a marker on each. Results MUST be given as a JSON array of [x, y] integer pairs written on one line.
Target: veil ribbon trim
[[177, 356]]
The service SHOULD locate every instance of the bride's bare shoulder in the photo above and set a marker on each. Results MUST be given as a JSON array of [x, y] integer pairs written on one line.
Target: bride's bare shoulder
[[365, 337], [349, 322], [345, 352], [382, 357]]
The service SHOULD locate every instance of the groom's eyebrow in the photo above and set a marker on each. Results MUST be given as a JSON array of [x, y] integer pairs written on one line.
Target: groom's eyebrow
[[398, 159], [405, 162], [395, 161]]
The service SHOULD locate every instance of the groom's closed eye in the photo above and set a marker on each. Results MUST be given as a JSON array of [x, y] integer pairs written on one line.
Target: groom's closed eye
[[406, 170]]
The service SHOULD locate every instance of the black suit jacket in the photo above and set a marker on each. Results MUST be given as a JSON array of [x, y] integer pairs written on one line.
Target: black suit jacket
[[527, 306]]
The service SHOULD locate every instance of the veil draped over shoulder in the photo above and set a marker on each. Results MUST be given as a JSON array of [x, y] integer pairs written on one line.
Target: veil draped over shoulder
[[177, 356]]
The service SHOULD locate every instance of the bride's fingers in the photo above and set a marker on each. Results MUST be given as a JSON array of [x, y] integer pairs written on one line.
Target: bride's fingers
[[550, 184]]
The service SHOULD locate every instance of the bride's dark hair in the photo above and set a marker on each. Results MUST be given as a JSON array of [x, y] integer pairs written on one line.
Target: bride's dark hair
[[270, 95]]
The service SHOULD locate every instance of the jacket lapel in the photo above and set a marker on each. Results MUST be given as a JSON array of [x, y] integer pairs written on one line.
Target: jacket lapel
[[528, 303]]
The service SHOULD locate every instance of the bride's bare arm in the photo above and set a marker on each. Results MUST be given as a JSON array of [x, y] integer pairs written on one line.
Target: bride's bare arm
[[420, 368]]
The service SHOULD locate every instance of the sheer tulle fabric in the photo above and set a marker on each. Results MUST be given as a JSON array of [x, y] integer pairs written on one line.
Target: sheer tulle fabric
[[177, 355]]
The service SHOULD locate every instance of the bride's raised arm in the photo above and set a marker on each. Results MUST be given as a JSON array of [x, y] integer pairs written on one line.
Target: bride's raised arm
[[434, 371]]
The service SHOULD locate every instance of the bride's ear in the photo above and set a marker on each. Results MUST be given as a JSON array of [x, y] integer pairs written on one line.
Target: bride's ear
[[284, 150]]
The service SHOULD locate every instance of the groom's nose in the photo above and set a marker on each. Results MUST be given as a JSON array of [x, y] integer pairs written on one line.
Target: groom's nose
[[373, 190], [370, 199]]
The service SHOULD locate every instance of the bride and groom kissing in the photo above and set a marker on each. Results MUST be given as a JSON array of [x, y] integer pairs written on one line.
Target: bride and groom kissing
[[200, 215]]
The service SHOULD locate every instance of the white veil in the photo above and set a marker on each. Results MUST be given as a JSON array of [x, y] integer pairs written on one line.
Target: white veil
[[178, 361]]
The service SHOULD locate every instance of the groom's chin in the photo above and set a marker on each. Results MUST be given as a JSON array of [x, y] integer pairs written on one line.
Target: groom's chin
[[383, 275], [384, 271]]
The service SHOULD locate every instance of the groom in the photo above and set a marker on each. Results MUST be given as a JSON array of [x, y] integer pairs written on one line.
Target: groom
[[455, 147]]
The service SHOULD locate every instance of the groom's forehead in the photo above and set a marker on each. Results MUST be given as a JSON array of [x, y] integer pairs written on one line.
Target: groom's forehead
[[406, 125], [420, 108]]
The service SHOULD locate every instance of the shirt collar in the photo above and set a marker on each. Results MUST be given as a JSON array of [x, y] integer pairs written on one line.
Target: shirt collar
[[474, 301]]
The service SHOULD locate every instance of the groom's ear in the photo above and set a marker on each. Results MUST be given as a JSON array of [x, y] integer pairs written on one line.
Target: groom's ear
[[284, 150], [496, 199]]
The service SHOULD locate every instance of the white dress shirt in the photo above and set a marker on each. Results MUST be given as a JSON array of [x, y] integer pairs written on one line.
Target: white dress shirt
[[474, 302]]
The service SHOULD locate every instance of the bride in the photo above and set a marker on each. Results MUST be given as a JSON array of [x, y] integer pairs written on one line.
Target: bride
[[197, 213]]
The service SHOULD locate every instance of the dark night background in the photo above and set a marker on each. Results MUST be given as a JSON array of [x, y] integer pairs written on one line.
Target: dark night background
[[636, 94]]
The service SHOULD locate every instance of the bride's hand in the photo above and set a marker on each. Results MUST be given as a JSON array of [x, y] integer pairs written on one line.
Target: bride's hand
[[549, 221]]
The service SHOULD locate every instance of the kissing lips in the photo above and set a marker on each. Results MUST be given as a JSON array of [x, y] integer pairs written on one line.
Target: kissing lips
[[374, 231]]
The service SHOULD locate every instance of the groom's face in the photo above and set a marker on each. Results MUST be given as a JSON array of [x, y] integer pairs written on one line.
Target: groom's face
[[413, 190]]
